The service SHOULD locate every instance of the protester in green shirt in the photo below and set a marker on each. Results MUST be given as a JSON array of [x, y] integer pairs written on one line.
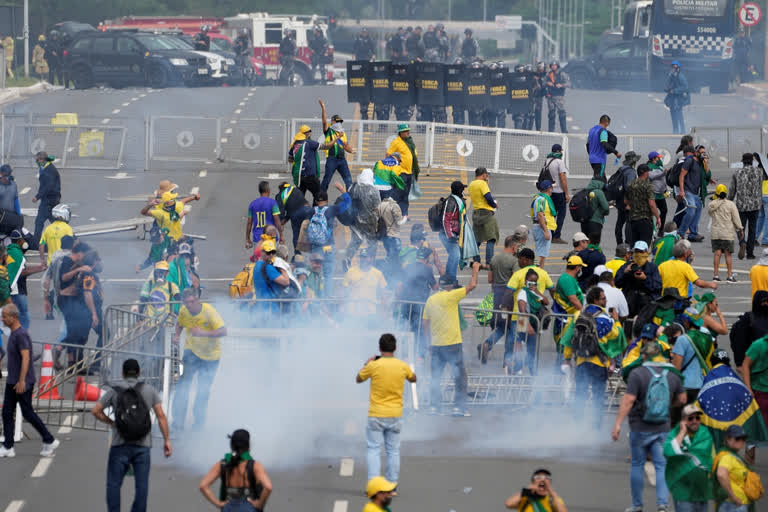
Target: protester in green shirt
[[662, 248]]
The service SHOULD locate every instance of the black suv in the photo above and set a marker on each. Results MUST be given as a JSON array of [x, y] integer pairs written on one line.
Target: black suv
[[124, 58]]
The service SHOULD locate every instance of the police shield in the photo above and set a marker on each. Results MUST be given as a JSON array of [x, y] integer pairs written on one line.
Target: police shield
[[358, 81], [520, 92], [499, 88], [402, 90], [430, 79], [380, 74], [454, 84], [477, 87]]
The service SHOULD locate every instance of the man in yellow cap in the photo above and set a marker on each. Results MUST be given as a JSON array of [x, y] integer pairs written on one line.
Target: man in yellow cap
[[158, 291], [380, 491], [305, 160], [170, 214], [726, 223], [409, 163]]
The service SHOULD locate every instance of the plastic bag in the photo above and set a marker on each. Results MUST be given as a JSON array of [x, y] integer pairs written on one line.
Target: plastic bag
[[415, 192]]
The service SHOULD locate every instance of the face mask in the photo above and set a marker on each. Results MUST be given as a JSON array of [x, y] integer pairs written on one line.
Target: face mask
[[640, 258], [24, 246], [387, 502], [337, 127], [160, 279], [531, 284]]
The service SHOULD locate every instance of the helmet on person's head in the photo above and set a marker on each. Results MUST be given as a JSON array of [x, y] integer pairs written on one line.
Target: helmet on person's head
[[61, 212], [205, 28], [244, 31], [459, 60], [541, 65], [555, 63], [528, 68], [519, 68]]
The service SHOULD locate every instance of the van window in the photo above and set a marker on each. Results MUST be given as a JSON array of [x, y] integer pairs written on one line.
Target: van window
[[127, 45], [273, 33], [102, 45], [82, 44]]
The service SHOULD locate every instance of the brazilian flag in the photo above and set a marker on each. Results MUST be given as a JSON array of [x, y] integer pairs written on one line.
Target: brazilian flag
[[725, 400], [386, 172], [299, 163], [633, 359]]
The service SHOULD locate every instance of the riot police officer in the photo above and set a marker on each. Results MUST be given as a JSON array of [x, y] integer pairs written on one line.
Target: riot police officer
[[538, 92], [444, 48], [489, 111], [319, 46], [470, 49], [395, 44], [414, 46], [518, 118], [458, 110], [53, 51], [203, 40], [475, 112], [243, 54], [364, 46], [431, 45], [556, 83]]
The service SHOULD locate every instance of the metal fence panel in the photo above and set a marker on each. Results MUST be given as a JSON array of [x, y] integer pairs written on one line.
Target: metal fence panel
[[465, 147], [743, 140], [186, 139], [28, 139], [642, 144], [256, 141], [577, 158], [716, 141], [96, 147], [524, 151]]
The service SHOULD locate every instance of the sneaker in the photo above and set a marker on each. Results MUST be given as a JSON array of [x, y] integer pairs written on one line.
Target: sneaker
[[49, 448], [7, 452], [460, 413], [558, 241], [662, 508], [650, 473], [731, 279], [634, 509], [751, 257], [742, 251], [716, 278], [696, 239]]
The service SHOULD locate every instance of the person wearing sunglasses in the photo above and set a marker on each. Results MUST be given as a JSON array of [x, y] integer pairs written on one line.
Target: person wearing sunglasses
[[539, 495], [688, 450]]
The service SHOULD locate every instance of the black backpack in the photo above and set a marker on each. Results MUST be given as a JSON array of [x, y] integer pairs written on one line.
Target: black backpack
[[741, 337], [585, 342], [673, 175], [545, 174], [614, 189], [435, 215], [348, 216], [580, 206], [132, 418]]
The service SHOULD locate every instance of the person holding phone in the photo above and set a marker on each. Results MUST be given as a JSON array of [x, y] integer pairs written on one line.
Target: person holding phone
[[539, 495]]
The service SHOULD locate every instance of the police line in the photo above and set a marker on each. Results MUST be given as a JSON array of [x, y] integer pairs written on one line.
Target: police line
[[436, 84]]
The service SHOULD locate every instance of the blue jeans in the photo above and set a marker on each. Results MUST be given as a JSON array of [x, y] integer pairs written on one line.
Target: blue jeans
[[763, 239], [43, 214], [239, 506], [386, 432], [559, 199], [643, 444], [206, 372], [122, 457], [586, 375], [727, 506], [333, 164], [509, 344], [691, 506], [21, 303], [454, 357], [692, 215], [328, 263], [678, 123], [523, 337], [454, 255]]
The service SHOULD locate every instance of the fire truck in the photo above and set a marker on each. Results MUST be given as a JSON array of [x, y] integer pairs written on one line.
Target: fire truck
[[268, 30]]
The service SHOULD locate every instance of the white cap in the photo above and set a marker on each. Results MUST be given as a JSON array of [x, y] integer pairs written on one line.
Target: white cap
[[600, 269], [580, 237]]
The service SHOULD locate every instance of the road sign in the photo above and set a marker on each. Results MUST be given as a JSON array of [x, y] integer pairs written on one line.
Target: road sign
[[185, 139], [91, 144], [750, 14], [530, 153], [37, 145], [464, 147], [251, 140]]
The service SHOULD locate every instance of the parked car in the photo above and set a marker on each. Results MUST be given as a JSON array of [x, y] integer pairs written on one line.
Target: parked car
[[131, 58], [620, 66]]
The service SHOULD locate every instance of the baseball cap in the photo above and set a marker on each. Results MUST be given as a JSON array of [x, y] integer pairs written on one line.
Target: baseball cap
[[575, 260], [649, 331], [691, 409], [268, 246], [641, 245], [131, 367], [457, 187], [544, 185], [316, 256], [378, 484], [621, 250], [600, 269], [676, 63], [653, 154], [580, 237], [16, 235], [557, 148], [337, 118], [721, 189], [736, 432]]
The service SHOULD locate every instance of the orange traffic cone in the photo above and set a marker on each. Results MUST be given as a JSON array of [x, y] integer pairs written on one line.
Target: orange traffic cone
[[86, 392], [46, 390]]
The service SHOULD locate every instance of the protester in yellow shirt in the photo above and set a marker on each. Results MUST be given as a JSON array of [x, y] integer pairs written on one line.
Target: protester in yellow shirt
[[484, 224], [620, 258], [544, 218], [441, 320], [517, 281], [50, 242], [731, 472], [204, 330], [758, 274], [380, 492], [170, 215], [388, 375], [409, 163], [364, 285], [539, 496], [678, 273]]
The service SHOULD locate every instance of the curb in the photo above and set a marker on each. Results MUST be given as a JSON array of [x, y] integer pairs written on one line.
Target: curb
[[14, 93]]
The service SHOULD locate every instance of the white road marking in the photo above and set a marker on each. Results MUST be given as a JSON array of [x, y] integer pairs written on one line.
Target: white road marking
[[338, 506], [119, 176], [66, 426], [25, 190], [203, 173], [250, 94], [42, 467], [17, 505], [105, 120], [126, 103], [242, 103], [142, 95], [569, 119], [224, 140], [575, 127], [116, 111], [657, 100], [228, 131], [347, 467], [234, 121], [194, 190], [253, 89], [134, 98], [238, 111]]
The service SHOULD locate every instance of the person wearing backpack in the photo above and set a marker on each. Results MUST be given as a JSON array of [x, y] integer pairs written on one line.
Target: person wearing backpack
[[688, 189], [599, 205], [598, 146], [320, 231], [737, 487], [689, 360], [245, 485], [641, 206], [555, 171], [543, 215], [657, 176], [594, 336], [131, 402], [651, 390], [629, 175], [453, 218]]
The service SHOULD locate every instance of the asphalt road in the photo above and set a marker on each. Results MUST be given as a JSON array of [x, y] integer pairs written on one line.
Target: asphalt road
[[492, 453]]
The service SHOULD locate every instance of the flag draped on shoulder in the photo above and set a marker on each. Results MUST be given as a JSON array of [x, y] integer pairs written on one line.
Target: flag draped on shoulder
[[689, 465], [725, 400], [386, 173], [299, 157], [633, 359]]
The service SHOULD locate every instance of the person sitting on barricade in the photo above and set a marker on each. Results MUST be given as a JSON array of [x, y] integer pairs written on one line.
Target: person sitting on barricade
[[157, 292]]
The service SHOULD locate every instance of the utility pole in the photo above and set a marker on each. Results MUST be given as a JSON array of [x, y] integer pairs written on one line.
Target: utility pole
[[26, 38]]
